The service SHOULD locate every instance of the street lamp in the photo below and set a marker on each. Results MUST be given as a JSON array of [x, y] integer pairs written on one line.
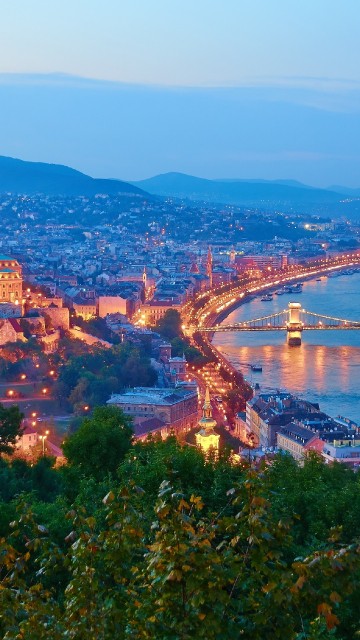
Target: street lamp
[[43, 438]]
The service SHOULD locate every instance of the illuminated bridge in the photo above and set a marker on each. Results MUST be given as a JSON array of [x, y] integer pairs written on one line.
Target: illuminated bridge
[[293, 320]]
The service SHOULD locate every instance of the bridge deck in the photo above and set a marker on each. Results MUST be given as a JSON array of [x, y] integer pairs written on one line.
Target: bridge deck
[[312, 327]]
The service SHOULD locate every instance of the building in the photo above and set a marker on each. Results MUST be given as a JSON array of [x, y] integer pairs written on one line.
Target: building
[[298, 440], [10, 287], [112, 304], [10, 309], [152, 312], [10, 280], [87, 309], [176, 409], [207, 438], [10, 331], [222, 275], [345, 451], [260, 262], [29, 438], [59, 316], [50, 341], [241, 430], [174, 366], [177, 368], [267, 413]]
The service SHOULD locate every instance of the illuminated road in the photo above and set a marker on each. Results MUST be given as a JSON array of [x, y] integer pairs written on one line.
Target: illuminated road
[[210, 308], [221, 303]]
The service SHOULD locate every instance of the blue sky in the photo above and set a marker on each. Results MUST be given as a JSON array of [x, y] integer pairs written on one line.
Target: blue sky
[[294, 70]]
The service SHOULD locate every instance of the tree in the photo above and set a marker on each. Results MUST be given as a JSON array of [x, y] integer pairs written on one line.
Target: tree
[[175, 572], [169, 326], [180, 346], [10, 427], [101, 442], [92, 377]]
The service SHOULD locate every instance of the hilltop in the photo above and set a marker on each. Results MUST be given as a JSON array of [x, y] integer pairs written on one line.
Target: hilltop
[[277, 193], [23, 177]]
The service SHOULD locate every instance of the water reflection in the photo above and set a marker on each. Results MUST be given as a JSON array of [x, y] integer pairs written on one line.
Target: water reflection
[[325, 368]]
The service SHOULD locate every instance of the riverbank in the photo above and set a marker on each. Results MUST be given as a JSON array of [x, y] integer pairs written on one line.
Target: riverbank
[[325, 368]]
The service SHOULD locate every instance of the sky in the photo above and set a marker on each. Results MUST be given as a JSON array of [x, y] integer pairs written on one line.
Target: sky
[[231, 88]]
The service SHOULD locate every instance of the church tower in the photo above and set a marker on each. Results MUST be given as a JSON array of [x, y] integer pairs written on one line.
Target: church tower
[[209, 267], [207, 438]]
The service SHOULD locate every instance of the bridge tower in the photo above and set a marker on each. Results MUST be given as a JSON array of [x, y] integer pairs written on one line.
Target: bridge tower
[[294, 326]]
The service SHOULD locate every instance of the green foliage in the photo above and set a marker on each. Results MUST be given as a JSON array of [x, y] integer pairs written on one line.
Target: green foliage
[[180, 547], [10, 427], [101, 442], [97, 327], [180, 346], [21, 357], [90, 378], [17, 476], [169, 326], [175, 572], [322, 496]]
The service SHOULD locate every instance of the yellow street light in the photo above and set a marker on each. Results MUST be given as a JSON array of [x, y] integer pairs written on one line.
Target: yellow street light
[[43, 438]]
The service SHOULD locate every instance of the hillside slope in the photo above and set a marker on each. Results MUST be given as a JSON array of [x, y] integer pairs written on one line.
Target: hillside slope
[[19, 176]]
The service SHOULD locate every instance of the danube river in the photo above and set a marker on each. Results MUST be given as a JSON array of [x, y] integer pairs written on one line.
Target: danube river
[[325, 368]]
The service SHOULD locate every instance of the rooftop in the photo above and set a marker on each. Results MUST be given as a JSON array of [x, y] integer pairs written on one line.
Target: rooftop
[[148, 426], [151, 395], [296, 432]]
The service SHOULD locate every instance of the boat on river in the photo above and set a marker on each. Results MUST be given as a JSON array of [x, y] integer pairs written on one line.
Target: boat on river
[[296, 288], [266, 298], [256, 367]]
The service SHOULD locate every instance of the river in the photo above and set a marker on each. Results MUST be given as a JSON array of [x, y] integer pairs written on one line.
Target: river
[[325, 368]]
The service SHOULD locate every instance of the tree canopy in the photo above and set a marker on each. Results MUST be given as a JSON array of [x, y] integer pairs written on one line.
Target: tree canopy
[[169, 326], [90, 378], [101, 442], [144, 540], [10, 427]]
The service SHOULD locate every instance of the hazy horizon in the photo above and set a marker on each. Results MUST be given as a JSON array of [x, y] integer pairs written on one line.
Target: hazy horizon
[[230, 89], [131, 131]]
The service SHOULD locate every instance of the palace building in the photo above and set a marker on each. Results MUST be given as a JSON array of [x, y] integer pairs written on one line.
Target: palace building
[[10, 280]]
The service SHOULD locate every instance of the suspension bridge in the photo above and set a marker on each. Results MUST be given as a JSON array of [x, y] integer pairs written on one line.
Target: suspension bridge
[[294, 320]]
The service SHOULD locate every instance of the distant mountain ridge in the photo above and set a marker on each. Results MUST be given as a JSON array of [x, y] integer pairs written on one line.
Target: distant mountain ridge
[[239, 192], [23, 177], [346, 191]]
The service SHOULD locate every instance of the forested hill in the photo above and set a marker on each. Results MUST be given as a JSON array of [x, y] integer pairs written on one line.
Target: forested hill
[[19, 176], [287, 194]]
